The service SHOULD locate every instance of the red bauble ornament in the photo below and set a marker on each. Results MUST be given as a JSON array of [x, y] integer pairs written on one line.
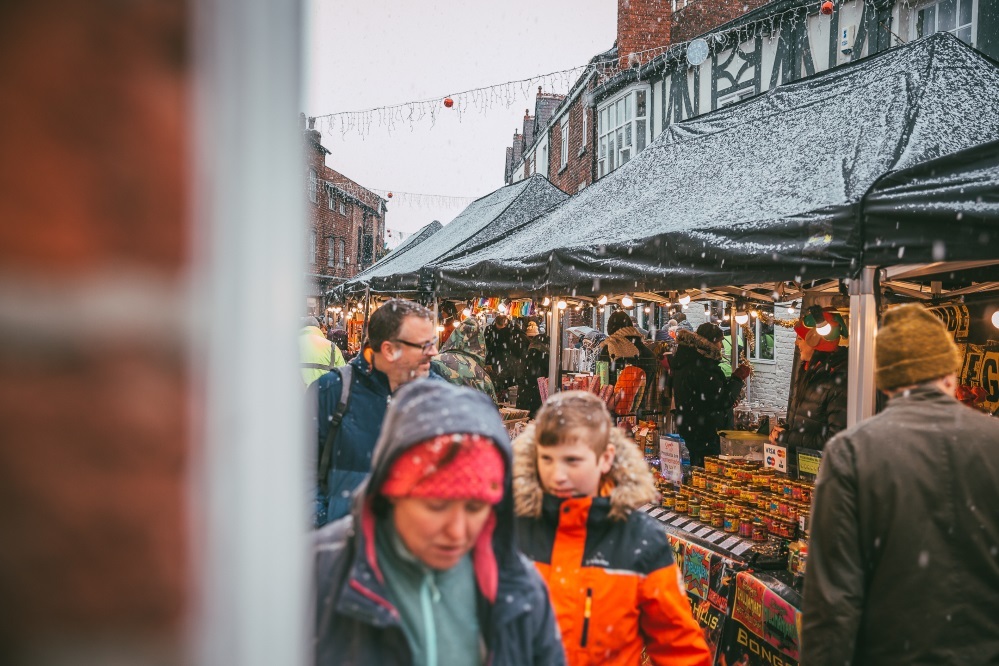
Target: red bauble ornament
[[827, 7], [389, 195], [448, 102]]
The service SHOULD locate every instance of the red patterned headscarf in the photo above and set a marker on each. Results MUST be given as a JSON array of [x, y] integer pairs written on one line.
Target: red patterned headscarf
[[459, 466]]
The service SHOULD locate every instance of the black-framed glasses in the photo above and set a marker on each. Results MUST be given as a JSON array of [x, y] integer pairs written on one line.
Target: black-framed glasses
[[426, 347]]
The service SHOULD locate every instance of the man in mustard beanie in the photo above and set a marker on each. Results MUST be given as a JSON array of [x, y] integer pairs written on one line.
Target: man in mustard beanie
[[903, 564]]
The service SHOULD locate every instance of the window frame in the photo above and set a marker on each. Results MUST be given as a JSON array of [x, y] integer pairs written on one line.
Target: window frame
[[313, 240], [313, 185], [563, 152], [754, 356], [582, 141], [605, 135], [343, 207], [330, 252], [922, 6]]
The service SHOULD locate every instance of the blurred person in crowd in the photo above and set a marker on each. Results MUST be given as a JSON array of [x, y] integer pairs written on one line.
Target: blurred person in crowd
[[535, 367], [624, 346], [682, 322], [506, 347], [401, 342], [817, 408], [903, 563], [338, 337], [317, 355], [703, 395], [578, 481], [462, 360], [425, 570]]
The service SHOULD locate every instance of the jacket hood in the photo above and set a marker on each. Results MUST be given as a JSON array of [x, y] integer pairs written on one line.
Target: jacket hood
[[701, 345], [422, 410], [469, 338], [629, 475], [621, 343]]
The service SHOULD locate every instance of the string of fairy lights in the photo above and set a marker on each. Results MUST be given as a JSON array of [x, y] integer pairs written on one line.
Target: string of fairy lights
[[504, 95]]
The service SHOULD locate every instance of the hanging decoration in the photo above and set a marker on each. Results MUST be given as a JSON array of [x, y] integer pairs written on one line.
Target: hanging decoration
[[505, 95], [768, 318]]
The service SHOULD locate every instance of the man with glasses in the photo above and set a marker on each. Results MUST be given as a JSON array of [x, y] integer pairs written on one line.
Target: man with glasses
[[402, 340]]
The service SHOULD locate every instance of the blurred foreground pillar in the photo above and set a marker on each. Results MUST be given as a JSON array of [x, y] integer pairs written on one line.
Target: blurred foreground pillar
[[152, 505]]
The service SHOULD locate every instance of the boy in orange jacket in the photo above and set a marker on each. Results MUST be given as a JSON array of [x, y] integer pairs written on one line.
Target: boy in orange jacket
[[610, 570]]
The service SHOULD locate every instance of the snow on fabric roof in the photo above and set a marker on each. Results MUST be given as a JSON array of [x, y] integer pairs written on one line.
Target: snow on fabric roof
[[486, 217], [765, 190], [950, 206]]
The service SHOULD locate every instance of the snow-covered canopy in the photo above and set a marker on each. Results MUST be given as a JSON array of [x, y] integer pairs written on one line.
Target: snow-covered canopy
[[768, 189], [949, 208], [480, 223]]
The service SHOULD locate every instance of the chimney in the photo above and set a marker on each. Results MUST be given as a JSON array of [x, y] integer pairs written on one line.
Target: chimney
[[642, 25]]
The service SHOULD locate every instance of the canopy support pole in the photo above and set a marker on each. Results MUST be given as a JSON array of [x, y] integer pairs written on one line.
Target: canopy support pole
[[863, 326], [367, 307], [555, 347]]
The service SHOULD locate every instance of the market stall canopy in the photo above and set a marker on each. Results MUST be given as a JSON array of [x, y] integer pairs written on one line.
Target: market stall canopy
[[484, 220], [767, 189], [948, 208]]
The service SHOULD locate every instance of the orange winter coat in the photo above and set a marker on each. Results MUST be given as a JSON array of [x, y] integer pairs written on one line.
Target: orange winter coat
[[610, 571]]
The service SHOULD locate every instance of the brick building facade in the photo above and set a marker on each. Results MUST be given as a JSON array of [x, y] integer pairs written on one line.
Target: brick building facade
[[346, 231]]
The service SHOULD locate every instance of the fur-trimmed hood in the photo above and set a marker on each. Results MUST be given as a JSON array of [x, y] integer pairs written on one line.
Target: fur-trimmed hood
[[700, 344], [621, 343], [630, 476]]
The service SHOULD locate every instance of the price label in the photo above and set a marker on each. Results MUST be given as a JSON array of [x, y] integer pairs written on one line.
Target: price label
[[742, 548], [703, 532], [715, 537], [729, 542], [656, 512], [669, 459], [808, 463], [682, 520]]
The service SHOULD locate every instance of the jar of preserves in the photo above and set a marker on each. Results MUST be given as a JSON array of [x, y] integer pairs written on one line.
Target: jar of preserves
[[776, 484], [759, 530], [746, 525], [731, 520], [763, 501], [681, 505], [669, 500], [796, 491], [694, 507], [711, 465], [706, 512]]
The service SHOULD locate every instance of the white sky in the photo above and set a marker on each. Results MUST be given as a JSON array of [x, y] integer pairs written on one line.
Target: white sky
[[375, 53]]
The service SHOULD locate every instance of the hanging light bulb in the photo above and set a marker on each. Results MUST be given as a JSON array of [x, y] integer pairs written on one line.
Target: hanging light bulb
[[627, 302], [790, 309], [754, 313], [741, 318], [824, 329], [440, 329], [578, 308], [466, 313], [684, 300], [997, 326], [728, 317], [562, 305], [456, 323], [648, 309], [602, 300], [995, 318], [546, 302]]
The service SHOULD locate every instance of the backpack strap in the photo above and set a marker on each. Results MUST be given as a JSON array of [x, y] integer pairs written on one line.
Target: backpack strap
[[346, 373], [316, 366]]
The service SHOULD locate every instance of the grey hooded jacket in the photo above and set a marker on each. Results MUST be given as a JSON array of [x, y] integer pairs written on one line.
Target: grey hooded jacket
[[355, 621]]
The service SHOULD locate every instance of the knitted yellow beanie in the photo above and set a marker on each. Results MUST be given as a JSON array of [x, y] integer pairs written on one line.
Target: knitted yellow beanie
[[914, 347]]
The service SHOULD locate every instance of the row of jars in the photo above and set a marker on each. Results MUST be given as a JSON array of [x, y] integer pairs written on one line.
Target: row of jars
[[747, 481], [737, 516]]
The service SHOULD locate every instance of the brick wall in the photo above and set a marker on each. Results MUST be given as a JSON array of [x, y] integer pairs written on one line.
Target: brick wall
[[94, 391], [329, 223], [771, 382], [579, 167], [702, 16], [642, 25]]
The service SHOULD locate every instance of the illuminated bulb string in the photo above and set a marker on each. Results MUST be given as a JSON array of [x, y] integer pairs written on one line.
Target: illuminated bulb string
[[505, 95]]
